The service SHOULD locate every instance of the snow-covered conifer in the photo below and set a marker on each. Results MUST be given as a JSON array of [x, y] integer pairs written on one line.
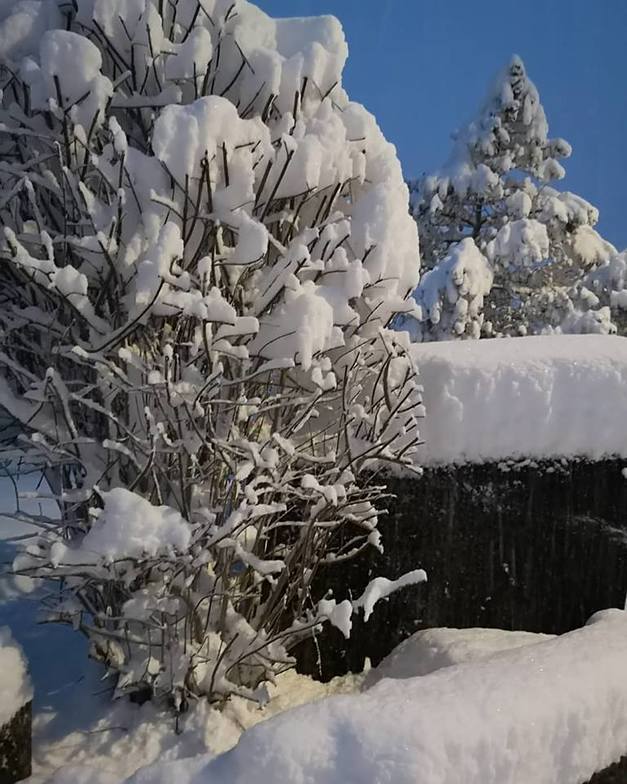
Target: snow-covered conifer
[[203, 244], [496, 190]]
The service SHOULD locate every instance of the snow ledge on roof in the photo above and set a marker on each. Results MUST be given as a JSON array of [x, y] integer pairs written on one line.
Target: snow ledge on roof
[[544, 397]]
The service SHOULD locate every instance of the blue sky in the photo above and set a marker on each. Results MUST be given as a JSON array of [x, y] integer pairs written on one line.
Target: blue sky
[[423, 68]]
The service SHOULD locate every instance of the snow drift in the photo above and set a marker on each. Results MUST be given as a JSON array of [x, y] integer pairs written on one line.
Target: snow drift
[[551, 713], [431, 649]]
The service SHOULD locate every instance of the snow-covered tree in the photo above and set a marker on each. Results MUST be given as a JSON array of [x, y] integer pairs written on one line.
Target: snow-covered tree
[[537, 241], [203, 244]]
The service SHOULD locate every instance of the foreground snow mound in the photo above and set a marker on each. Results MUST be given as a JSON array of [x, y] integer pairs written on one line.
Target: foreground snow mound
[[551, 713], [86, 739], [431, 649], [534, 397], [15, 686]]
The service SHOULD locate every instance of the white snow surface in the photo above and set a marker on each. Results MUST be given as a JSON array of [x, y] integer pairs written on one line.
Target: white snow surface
[[554, 396], [129, 526], [550, 713], [431, 649], [520, 243], [15, 685], [112, 740]]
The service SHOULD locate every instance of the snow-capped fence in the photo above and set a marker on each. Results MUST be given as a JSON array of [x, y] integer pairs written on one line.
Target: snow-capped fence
[[535, 540], [15, 712]]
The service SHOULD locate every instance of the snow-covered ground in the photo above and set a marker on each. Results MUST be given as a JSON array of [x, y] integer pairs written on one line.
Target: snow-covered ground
[[550, 713], [534, 397], [116, 740]]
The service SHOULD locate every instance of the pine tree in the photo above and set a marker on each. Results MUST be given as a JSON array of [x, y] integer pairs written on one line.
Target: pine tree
[[495, 190]]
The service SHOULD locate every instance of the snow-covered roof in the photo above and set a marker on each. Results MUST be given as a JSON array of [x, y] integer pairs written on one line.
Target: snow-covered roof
[[534, 397]]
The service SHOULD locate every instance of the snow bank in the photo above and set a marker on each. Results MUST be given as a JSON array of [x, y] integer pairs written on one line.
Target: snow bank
[[533, 397], [431, 649], [551, 713], [111, 741], [15, 687]]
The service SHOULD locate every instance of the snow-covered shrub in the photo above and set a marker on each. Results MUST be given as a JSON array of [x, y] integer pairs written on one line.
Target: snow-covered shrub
[[203, 244], [496, 190]]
